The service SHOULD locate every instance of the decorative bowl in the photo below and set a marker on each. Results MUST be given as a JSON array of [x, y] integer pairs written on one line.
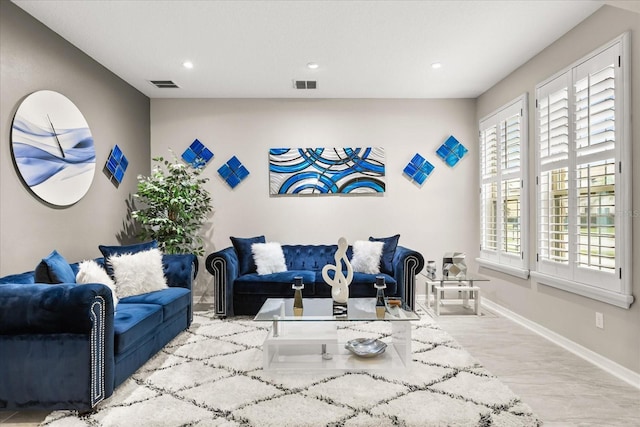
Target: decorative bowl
[[366, 347]]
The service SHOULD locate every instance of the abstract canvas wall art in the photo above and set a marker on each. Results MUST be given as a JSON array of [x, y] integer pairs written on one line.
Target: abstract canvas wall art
[[53, 148], [326, 171]]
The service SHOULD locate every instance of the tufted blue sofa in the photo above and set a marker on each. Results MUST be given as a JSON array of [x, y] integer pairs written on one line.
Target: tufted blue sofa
[[243, 293], [62, 347]]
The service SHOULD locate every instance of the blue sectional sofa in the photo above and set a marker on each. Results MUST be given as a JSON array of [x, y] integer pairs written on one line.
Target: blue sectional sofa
[[62, 347], [240, 290]]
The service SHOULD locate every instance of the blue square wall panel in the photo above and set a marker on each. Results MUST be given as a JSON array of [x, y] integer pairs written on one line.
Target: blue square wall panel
[[420, 177], [418, 169], [234, 163], [242, 172], [112, 165], [197, 154], [117, 153], [460, 150], [233, 172], [119, 175], [225, 171], [189, 156], [233, 181], [206, 154], [451, 151], [418, 161], [410, 169]]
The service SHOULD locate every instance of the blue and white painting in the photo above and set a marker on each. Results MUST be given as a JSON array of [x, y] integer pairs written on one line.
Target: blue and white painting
[[326, 170], [53, 148]]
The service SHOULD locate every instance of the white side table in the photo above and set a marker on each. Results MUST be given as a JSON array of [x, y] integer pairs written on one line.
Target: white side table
[[465, 285], [468, 292]]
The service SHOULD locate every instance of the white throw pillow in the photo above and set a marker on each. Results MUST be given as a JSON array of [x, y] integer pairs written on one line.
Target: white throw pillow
[[268, 257], [366, 256], [91, 272], [138, 273]]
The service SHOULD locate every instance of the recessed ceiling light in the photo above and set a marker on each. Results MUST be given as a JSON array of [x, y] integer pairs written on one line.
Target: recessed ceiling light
[[312, 65], [187, 64], [436, 65]]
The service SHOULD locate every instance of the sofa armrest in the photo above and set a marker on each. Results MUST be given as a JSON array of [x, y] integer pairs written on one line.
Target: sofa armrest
[[180, 269], [224, 266], [50, 309], [56, 344], [406, 264]]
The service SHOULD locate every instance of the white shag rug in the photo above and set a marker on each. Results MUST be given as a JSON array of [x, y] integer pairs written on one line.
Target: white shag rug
[[211, 375]]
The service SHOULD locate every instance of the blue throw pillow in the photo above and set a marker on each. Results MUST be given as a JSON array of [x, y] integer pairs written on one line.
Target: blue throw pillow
[[108, 251], [54, 269], [388, 252], [245, 256]]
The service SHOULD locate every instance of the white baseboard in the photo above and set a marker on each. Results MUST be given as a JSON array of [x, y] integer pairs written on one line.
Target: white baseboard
[[608, 365]]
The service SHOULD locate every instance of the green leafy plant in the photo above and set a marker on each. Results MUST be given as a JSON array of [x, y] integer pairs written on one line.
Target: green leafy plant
[[174, 206]]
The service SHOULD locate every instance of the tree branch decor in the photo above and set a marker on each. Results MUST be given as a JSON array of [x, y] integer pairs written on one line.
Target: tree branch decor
[[175, 206]]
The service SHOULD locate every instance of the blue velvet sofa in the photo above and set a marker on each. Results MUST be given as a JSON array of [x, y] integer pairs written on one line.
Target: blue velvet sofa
[[240, 290], [62, 347]]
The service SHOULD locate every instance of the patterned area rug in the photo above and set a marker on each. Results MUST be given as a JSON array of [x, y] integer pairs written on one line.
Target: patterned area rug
[[211, 375]]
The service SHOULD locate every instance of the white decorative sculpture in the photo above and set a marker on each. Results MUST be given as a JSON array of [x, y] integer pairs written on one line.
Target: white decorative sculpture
[[453, 265], [339, 284]]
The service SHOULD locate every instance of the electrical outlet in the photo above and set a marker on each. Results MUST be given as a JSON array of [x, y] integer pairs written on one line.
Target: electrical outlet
[[599, 320]]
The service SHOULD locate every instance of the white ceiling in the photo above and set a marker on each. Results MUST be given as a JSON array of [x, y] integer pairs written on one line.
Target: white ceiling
[[365, 49]]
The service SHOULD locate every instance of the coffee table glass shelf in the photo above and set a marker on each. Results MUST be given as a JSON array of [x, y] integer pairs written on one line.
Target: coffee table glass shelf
[[311, 341]]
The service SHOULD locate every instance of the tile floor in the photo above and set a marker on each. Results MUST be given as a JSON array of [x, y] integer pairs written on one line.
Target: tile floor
[[561, 388]]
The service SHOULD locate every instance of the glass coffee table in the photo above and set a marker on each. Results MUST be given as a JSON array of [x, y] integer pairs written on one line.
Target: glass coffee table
[[311, 341]]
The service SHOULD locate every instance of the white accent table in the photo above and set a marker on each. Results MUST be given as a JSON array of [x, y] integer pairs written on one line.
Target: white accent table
[[311, 341], [466, 290]]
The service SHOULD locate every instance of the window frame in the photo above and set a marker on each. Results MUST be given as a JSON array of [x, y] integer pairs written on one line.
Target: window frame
[[498, 258], [615, 286]]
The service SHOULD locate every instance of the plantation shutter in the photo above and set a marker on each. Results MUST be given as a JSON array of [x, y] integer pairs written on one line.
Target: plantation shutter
[[502, 195], [583, 189], [489, 191], [511, 182], [553, 176], [595, 180]]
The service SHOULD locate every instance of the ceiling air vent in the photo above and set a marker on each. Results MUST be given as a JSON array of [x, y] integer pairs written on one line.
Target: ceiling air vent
[[305, 84], [164, 84]]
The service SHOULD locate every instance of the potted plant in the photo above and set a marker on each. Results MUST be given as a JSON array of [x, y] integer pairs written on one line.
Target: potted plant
[[174, 206]]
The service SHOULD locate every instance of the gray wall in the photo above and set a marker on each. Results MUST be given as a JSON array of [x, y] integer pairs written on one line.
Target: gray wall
[[441, 216], [34, 58], [567, 314]]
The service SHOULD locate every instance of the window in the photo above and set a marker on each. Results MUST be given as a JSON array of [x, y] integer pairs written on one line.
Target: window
[[583, 178], [503, 159]]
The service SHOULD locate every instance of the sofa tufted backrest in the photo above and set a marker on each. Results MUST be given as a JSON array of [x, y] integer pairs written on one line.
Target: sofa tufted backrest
[[25, 278], [28, 277], [310, 257]]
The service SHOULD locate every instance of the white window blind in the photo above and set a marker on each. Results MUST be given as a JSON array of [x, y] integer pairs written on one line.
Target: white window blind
[[553, 181], [489, 191], [503, 189], [583, 241]]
